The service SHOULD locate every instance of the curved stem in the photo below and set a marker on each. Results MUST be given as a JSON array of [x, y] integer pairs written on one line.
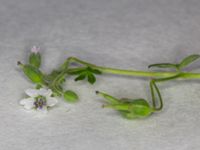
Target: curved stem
[[184, 75], [152, 94], [154, 86]]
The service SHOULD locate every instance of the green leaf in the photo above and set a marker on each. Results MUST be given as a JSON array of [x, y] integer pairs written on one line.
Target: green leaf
[[95, 71], [70, 96], [80, 77], [188, 60], [86, 72], [91, 78], [163, 65]]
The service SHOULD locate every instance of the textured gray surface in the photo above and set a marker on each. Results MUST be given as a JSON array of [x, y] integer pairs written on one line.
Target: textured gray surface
[[116, 33]]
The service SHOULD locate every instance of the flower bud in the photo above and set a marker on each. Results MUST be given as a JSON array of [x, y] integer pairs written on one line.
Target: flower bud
[[70, 96], [35, 57]]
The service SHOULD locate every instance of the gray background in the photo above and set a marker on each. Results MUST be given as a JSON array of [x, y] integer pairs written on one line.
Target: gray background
[[127, 34]]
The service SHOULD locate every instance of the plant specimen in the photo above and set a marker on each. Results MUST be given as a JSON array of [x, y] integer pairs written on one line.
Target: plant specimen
[[127, 107]]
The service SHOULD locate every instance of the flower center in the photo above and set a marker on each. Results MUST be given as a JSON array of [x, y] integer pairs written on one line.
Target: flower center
[[40, 102]]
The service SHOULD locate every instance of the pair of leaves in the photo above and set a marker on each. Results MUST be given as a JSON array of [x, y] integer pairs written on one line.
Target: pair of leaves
[[86, 73], [184, 63]]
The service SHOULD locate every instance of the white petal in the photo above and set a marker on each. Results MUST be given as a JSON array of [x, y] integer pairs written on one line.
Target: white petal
[[24, 101], [32, 92], [28, 103], [49, 93], [45, 92], [51, 101]]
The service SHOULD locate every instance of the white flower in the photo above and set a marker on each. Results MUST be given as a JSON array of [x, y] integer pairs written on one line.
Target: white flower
[[39, 99]]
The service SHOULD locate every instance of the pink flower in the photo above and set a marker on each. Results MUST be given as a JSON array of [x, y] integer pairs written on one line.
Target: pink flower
[[35, 49]]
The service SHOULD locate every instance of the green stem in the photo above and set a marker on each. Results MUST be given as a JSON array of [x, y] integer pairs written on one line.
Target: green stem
[[152, 95], [184, 75], [154, 86]]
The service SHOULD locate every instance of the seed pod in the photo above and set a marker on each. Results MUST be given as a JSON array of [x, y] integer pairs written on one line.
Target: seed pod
[[35, 59], [132, 109], [140, 108], [33, 73]]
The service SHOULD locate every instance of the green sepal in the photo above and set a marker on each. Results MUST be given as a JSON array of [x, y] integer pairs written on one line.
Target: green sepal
[[33, 73], [35, 59], [70, 96], [109, 99], [38, 86]]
